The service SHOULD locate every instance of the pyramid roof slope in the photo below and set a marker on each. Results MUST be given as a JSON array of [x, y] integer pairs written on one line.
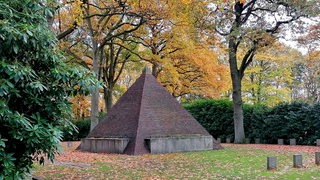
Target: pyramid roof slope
[[146, 110]]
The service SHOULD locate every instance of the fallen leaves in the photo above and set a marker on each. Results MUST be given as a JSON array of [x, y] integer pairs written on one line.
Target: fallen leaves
[[236, 161], [285, 148]]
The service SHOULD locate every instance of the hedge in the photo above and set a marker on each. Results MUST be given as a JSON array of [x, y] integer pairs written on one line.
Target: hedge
[[297, 120], [83, 129]]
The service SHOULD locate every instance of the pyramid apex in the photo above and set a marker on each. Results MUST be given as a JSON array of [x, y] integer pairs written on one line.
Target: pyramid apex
[[146, 70]]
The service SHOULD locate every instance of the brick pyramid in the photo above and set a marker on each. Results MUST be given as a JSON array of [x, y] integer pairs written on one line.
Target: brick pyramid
[[147, 112]]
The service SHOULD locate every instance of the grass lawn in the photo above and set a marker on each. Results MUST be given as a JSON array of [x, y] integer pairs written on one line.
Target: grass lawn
[[234, 162]]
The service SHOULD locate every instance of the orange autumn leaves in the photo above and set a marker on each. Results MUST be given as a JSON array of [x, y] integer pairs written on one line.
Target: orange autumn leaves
[[198, 73], [193, 69]]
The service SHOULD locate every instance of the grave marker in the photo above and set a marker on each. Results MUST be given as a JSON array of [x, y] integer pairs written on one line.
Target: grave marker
[[293, 142], [280, 141], [297, 160], [271, 163], [317, 154]]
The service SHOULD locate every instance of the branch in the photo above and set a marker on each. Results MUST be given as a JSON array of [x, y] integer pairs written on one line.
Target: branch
[[68, 31], [131, 51], [247, 59], [121, 68], [278, 24], [123, 32], [249, 11], [221, 33]]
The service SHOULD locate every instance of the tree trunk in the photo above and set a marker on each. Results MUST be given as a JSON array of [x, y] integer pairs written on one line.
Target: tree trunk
[[108, 97], [236, 78], [155, 69], [95, 96], [94, 113], [239, 134]]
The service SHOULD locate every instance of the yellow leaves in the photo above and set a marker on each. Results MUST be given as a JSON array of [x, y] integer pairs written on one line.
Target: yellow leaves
[[72, 12], [269, 76], [80, 106]]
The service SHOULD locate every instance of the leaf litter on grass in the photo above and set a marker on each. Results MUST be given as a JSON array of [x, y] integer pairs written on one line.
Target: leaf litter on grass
[[234, 162]]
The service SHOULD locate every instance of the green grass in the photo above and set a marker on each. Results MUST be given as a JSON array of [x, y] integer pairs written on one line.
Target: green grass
[[230, 163]]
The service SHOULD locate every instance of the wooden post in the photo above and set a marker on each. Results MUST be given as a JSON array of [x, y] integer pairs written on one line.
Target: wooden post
[[317, 154], [271, 163], [297, 160], [280, 141]]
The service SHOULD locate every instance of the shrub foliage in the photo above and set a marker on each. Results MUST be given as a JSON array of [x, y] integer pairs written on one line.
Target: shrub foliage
[[34, 86], [297, 120], [81, 131]]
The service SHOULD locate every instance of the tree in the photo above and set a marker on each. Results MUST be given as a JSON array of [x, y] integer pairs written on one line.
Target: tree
[[35, 83], [194, 71], [80, 106], [253, 23], [100, 37], [269, 77], [307, 70], [181, 60]]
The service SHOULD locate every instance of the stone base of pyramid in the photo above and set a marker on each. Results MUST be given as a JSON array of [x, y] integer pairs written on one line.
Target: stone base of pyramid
[[155, 144], [110, 145], [179, 143]]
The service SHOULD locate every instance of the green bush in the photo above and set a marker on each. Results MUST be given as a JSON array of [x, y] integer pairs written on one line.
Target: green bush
[[254, 120], [81, 131], [296, 120], [34, 85], [217, 117], [214, 115]]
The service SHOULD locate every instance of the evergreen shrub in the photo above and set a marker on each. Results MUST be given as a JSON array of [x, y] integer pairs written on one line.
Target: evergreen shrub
[[297, 120], [81, 131]]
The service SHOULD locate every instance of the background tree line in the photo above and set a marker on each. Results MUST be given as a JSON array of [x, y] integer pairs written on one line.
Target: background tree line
[[193, 47]]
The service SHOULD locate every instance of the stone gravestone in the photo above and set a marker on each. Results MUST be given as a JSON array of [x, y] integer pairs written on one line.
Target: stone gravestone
[[219, 140], [257, 141], [280, 141], [318, 142], [271, 163], [317, 154], [297, 160], [228, 140], [293, 142]]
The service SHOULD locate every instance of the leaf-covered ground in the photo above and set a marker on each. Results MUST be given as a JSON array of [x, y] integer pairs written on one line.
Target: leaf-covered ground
[[234, 162]]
